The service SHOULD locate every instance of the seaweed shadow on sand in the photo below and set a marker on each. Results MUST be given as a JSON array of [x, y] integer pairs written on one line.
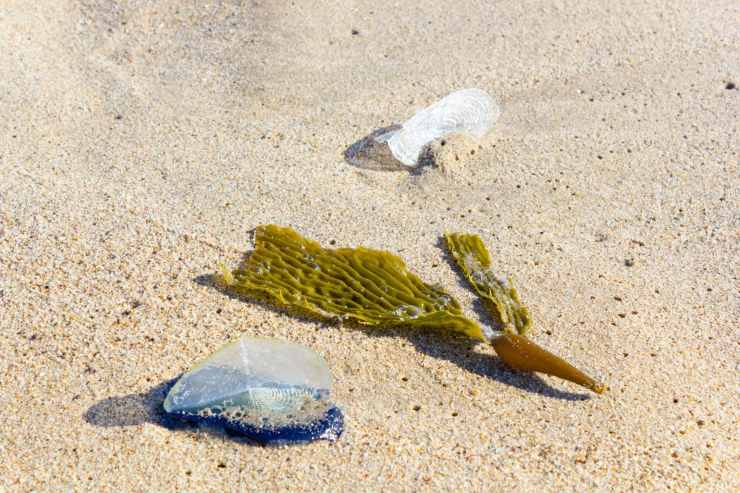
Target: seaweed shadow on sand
[[146, 407], [450, 346]]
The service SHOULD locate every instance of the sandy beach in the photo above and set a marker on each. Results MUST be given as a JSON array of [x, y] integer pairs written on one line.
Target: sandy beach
[[142, 142]]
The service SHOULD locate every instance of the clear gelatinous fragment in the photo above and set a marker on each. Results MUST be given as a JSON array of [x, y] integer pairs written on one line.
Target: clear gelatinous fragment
[[472, 112], [469, 111], [268, 390]]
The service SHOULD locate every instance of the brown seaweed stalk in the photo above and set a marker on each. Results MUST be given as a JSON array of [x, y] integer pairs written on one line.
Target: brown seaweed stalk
[[522, 354], [512, 317]]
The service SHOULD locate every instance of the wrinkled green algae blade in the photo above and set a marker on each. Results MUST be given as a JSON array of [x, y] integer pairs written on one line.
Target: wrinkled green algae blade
[[498, 295], [359, 285]]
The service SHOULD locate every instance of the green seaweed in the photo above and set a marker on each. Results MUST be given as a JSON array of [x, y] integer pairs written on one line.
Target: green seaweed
[[374, 288], [358, 285], [498, 295]]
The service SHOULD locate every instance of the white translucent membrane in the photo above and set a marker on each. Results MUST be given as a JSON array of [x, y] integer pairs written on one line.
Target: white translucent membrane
[[261, 378], [469, 111]]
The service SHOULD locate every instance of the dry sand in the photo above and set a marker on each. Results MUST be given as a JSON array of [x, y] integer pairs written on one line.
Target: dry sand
[[140, 142]]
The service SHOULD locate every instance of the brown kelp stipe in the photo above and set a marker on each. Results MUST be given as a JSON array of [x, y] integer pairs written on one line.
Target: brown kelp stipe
[[502, 301], [522, 354]]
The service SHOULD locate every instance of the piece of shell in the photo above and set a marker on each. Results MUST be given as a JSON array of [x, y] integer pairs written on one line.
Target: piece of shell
[[468, 111], [265, 389]]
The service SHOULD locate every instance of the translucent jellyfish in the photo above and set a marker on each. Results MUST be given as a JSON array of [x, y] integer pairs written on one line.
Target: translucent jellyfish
[[469, 111], [267, 390]]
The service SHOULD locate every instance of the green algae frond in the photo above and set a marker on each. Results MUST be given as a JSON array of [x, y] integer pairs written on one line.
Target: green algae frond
[[357, 285], [374, 288], [498, 295]]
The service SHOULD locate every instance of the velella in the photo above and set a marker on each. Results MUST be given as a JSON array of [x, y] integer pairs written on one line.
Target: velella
[[264, 389], [468, 111]]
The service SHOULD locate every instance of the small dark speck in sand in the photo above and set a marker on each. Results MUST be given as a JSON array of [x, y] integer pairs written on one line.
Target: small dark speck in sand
[[417, 408], [629, 262], [355, 32], [730, 86], [119, 117]]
